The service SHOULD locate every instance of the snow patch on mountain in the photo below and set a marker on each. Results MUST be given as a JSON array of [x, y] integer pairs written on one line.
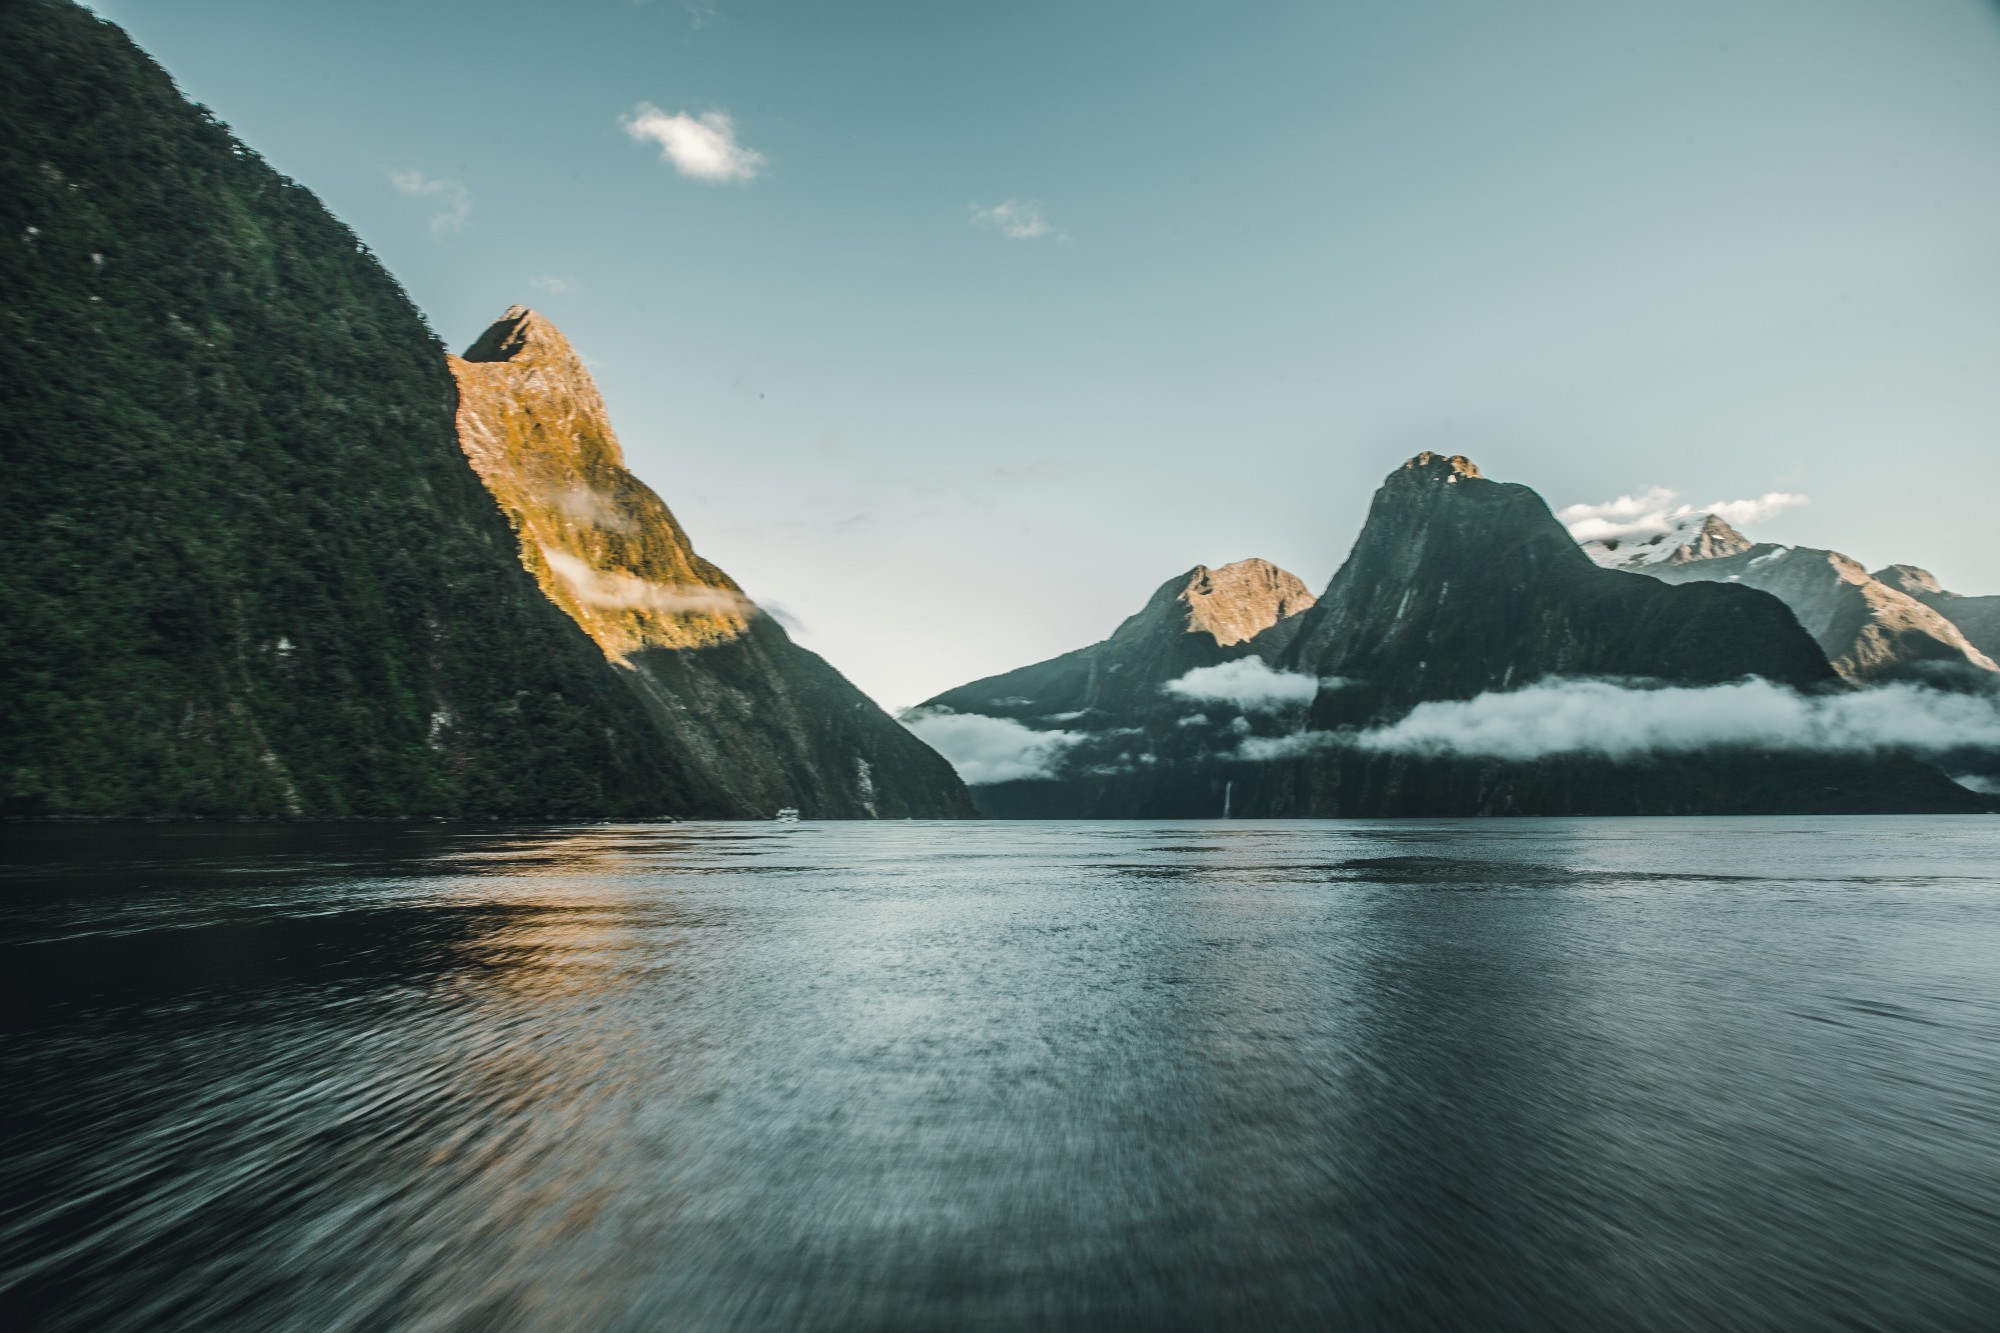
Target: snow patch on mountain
[[1651, 528]]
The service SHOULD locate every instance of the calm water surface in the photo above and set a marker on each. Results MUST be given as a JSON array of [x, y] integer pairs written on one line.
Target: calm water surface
[[1535, 1074]]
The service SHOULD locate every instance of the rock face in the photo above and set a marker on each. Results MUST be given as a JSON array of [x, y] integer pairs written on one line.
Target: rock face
[[1237, 602], [1977, 618], [601, 544], [1870, 629], [1135, 756], [760, 722], [247, 572]]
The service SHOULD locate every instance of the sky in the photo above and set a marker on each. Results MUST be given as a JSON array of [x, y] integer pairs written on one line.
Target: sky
[[951, 331]]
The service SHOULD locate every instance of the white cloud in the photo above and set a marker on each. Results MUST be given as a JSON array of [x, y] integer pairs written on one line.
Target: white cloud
[[986, 750], [1016, 219], [703, 147], [1260, 748], [1653, 513], [591, 508], [1742, 513], [1626, 721], [1249, 685], [616, 591], [554, 286], [453, 199]]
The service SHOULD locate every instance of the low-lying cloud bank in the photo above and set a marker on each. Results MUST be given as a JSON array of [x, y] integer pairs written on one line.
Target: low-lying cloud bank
[[1613, 720], [1249, 685], [986, 750]]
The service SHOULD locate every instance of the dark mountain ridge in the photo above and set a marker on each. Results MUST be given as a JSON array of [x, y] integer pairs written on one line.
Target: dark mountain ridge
[[1459, 585]]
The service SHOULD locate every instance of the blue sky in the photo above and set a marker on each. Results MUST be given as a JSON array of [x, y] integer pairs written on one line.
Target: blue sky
[[1270, 251]]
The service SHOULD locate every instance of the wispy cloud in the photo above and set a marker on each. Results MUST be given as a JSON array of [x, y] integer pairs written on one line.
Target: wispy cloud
[[554, 286], [986, 750], [1017, 219], [703, 147], [590, 508], [453, 200], [1653, 512], [614, 590], [1249, 685]]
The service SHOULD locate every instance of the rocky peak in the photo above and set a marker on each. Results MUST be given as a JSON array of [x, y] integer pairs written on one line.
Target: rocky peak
[[1691, 537], [1240, 601], [1428, 466], [1229, 605], [1713, 538], [519, 335], [604, 547], [1918, 583]]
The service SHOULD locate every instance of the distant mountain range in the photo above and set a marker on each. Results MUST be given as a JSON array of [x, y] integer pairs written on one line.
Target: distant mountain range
[[1872, 627], [1466, 594]]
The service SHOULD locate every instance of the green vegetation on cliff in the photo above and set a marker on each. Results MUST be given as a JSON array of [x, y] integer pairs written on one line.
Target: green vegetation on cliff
[[246, 569]]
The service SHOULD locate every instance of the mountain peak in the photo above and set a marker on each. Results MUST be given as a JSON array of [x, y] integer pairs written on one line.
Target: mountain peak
[[1241, 600], [1231, 604], [1691, 537], [1456, 589], [1428, 466], [604, 547], [519, 335], [1910, 579]]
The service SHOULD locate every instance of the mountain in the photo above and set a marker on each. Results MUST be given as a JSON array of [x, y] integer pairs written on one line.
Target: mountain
[[761, 722], [1457, 588], [1459, 585], [1691, 537], [1117, 740], [1870, 629], [1977, 618], [247, 571]]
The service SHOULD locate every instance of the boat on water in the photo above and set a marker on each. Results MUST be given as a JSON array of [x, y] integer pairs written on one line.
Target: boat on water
[[788, 815]]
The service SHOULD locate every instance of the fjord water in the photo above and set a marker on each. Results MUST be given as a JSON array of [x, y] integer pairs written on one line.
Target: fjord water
[[1570, 1074]]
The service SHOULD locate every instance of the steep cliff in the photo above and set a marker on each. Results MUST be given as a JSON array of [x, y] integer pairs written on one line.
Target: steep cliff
[[1124, 744], [761, 722], [247, 572]]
